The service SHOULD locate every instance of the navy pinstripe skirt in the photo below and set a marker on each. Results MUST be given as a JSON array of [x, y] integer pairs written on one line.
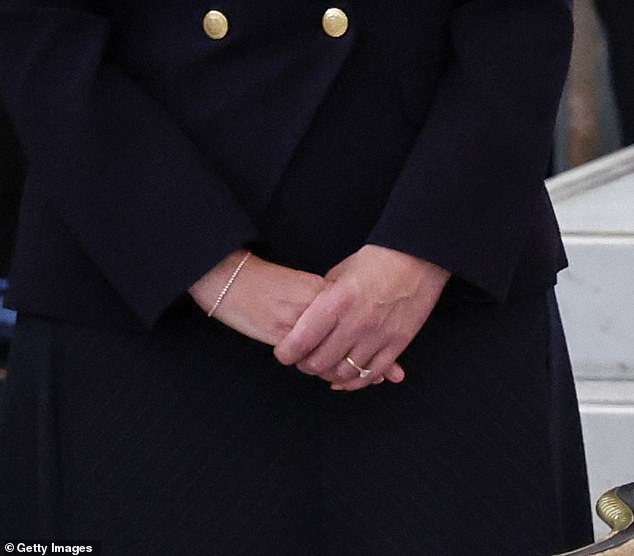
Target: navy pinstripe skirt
[[192, 440]]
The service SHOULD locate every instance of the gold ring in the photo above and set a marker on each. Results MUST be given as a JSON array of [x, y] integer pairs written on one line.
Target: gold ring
[[363, 373]]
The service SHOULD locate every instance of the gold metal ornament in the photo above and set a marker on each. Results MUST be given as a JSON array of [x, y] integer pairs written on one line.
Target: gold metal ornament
[[215, 24], [334, 22]]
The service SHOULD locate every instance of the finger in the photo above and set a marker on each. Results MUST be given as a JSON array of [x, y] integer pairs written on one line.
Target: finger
[[350, 371], [311, 328], [313, 367], [350, 366], [342, 371], [395, 373], [382, 365], [329, 375], [380, 380], [328, 360]]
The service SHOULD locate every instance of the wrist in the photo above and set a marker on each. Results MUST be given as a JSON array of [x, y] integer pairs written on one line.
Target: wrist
[[207, 288], [428, 268], [228, 284]]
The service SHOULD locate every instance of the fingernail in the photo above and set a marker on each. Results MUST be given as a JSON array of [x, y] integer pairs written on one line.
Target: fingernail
[[336, 387], [379, 381]]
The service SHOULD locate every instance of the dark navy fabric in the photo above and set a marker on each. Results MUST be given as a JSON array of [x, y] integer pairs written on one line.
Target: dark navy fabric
[[7, 317], [153, 152], [7, 324], [190, 439], [12, 171]]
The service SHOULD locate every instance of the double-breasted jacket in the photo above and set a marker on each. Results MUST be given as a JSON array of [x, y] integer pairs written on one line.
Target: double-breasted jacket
[[162, 136]]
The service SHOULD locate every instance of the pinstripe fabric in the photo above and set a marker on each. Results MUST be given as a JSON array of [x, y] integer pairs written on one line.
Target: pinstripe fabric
[[468, 456], [191, 440]]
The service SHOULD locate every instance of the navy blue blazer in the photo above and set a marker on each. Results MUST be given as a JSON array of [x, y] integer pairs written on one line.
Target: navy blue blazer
[[11, 180], [153, 151]]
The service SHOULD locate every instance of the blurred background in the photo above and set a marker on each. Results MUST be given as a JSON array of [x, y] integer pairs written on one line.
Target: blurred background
[[593, 194], [597, 110]]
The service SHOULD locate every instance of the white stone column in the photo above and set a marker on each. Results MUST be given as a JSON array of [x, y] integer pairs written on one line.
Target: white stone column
[[595, 207]]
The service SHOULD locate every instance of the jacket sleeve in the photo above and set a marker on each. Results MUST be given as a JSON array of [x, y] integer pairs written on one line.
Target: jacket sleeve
[[464, 196], [135, 192]]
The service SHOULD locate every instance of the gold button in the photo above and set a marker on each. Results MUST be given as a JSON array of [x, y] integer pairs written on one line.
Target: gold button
[[215, 24], [334, 22]]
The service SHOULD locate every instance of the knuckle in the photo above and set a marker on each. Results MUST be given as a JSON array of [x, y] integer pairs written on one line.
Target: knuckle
[[314, 366], [344, 298], [297, 309], [365, 327], [302, 347], [304, 368], [344, 372], [281, 327]]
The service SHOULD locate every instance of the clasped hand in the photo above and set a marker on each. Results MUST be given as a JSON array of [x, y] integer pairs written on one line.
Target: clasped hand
[[367, 308]]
